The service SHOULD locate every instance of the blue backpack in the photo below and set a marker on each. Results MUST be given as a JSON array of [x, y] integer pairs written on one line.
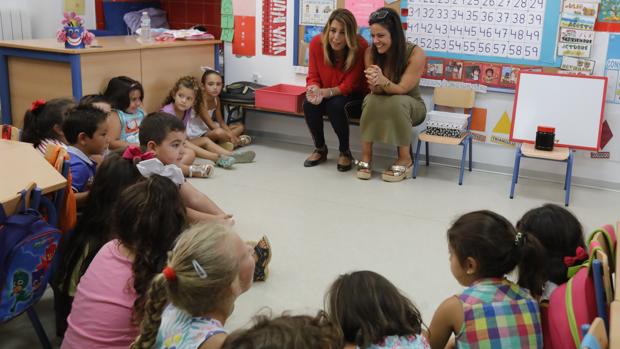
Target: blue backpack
[[27, 247]]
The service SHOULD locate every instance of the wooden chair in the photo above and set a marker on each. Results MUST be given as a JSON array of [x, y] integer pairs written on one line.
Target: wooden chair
[[614, 325], [453, 98], [596, 335], [527, 150]]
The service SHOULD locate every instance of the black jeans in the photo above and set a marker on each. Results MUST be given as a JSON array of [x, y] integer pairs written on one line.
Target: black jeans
[[334, 107]]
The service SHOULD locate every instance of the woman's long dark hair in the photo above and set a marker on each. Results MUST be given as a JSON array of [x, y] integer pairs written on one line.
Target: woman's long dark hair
[[494, 243], [394, 61], [148, 217], [93, 228], [367, 307]]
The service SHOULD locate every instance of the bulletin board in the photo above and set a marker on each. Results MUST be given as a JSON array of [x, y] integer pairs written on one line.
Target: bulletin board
[[522, 32], [304, 33], [573, 104]]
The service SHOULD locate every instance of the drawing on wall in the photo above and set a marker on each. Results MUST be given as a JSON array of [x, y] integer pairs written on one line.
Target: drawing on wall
[[503, 125], [315, 12]]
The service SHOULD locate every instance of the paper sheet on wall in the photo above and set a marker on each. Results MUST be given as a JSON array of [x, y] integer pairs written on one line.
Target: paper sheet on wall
[[244, 8], [244, 43], [612, 69], [76, 6], [362, 9], [274, 27], [315, 12]]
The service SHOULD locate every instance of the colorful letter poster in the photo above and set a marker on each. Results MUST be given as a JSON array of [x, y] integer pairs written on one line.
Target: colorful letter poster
[[274, 27], [362, 9], [612, 69], [315, 12], [244, 42], [609, 16]]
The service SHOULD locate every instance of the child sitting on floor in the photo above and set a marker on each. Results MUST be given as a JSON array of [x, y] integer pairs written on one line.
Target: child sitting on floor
[[492, 312], [218, 131], [191, 299], [86, 132], [372, 313], [185, 101], [43, 123]]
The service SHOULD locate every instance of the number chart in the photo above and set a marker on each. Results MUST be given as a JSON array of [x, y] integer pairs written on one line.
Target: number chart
[[503, 31]]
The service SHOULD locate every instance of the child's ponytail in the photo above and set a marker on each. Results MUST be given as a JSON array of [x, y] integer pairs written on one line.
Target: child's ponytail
[[156, 301], [531, 271], [40, 119]]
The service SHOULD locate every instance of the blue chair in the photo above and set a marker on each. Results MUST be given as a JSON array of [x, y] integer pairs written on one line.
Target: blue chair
[[527, 150], [453, 98]]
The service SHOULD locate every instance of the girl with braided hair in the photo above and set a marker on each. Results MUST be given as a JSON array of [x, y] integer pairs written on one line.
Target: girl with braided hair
[[190, 300], [109, 300]]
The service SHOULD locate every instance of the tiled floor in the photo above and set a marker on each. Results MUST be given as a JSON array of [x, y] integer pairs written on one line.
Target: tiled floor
[[322, 223]]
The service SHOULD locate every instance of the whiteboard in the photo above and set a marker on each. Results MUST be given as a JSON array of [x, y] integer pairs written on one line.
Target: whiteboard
[[574, 105]]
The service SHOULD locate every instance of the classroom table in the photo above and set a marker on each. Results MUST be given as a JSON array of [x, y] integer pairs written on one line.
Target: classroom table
[[43, 68], [22, 165]]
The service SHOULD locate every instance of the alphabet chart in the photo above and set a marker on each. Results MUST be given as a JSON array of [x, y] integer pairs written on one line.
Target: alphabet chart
[[506, 31]]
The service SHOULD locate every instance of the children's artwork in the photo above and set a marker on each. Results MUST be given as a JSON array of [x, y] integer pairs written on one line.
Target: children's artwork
[[76, 6], [479, 119], [244, 8], [362, 9], [434, 68], [578, 65], [502, 141], [575, 36], [490, 74], [274, 27], [226, 7], [478, 137], [580, 8], [577, 22], [245, 40], [310, 31], [612, 69], [574, 50], [315, 12], [503, 125], [608, 16], [472, 72], [509, 76], [453, 70]]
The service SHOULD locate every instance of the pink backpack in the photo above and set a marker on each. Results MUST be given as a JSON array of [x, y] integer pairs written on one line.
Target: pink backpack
[[574, 303]]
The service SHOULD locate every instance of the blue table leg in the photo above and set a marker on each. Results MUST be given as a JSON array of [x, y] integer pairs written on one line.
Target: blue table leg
[[5, 94], [569, 174], [416, 163], [427, 152], [463, 155], [76, 76]]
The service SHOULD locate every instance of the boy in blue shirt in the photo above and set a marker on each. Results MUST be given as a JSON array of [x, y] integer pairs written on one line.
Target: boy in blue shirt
[[86, 130]]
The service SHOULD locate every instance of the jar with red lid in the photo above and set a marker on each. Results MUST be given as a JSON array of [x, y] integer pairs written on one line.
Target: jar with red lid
[[545, 138]]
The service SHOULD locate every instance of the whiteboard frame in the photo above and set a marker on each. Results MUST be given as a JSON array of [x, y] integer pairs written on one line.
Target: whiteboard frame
[[550, 95]]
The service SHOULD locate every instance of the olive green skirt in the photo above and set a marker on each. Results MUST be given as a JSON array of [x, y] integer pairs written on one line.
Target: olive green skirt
[[389, 118]]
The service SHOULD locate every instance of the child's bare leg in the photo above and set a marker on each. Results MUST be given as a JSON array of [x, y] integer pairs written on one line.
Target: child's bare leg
[[218, 135], [210, 145], [237, 129], [198, 146], [188, 157]]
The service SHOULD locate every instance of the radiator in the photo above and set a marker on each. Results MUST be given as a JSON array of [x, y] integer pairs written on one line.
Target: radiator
[[15, 24]]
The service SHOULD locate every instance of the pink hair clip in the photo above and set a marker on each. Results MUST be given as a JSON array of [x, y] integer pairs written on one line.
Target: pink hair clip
[[134, 153]]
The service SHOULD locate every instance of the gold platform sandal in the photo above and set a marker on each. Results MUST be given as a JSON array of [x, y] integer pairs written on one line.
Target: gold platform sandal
[[363, 170], [399, 172]]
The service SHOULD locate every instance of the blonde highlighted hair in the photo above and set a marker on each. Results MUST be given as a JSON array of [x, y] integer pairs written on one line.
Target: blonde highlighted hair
[[191, 83], [346, 18], [210, 246]]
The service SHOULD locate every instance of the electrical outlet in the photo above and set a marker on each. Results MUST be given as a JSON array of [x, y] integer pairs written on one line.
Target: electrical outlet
[[255, 77]]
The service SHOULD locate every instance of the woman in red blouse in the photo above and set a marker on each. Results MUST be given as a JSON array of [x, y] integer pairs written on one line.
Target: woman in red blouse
[[335, 78]]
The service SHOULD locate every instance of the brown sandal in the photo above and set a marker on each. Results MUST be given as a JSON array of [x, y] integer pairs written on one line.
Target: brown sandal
[[322, 157]]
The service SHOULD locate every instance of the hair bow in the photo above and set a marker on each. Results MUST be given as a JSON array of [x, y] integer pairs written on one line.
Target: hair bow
[[580, 255], [37, 104], [133, 152], [154, 166]]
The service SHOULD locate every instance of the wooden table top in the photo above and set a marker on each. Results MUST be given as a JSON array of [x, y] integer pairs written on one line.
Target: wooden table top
[[102, 44], [21, 165]]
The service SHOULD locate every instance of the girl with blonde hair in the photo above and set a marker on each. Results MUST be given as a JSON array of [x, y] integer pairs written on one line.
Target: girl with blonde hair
[[190, 300], [334, 84]]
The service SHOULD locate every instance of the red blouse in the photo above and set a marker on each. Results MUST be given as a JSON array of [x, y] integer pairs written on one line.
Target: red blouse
[[324, 75]]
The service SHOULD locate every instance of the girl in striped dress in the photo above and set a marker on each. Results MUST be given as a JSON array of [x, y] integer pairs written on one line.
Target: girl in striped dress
[[492, 312]]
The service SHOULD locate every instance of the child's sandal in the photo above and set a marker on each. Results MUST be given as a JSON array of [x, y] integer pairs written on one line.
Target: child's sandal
[[244, 156], [244, 140], [201, 171], [225, 161]]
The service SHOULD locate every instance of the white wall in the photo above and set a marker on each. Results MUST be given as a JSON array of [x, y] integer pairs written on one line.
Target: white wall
[[46, 15], [280, 70]]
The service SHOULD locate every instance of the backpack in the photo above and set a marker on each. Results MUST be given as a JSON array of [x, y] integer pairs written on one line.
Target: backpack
[[243, 92], [574, 303], [27, 247], [58, 157]]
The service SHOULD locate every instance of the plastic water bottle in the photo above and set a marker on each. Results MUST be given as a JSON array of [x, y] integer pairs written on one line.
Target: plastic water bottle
[[145, 27]]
